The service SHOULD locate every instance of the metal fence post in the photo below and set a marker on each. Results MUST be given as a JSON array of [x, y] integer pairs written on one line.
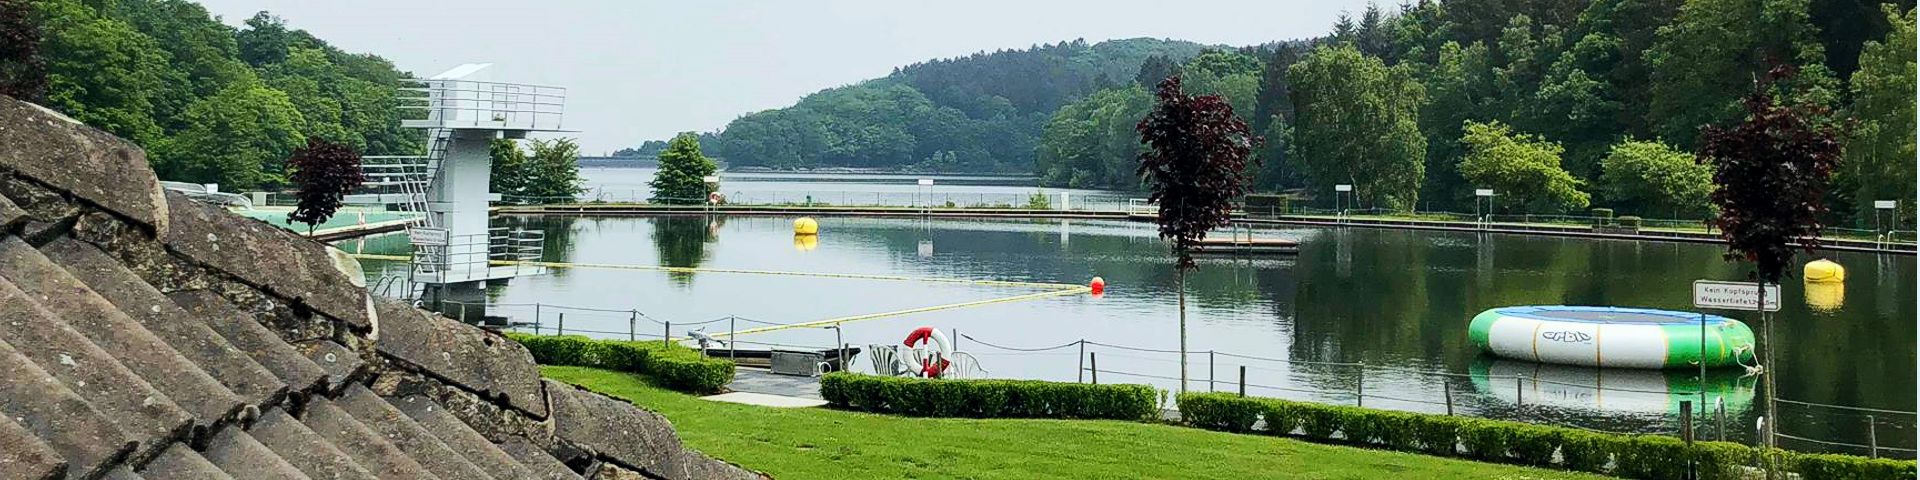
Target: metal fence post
[[1447, 390], [1243, 380], [1873, 438], [1210, 370], [666, 333], [633, 320], [1686, 433], [463, 312], [1360, 387], [1080, 370], [562, 328], [730, 334], [1093, 365], [536, 318]]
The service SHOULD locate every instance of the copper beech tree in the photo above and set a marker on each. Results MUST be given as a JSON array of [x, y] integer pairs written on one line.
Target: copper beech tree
[[1770, 173], [1195, 168], [324, 172]]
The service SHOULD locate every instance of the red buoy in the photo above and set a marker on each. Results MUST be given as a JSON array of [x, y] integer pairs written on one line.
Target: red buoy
[[1099, 285]]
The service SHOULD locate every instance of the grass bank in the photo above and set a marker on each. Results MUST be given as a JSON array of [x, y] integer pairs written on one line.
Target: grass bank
[[820, 443]]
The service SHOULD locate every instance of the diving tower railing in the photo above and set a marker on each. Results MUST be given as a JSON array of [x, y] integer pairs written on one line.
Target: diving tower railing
[[472, 104]]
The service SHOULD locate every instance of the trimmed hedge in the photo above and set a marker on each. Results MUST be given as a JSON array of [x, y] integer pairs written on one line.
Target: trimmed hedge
[[674, 366], [924, 397], [1632, 456]]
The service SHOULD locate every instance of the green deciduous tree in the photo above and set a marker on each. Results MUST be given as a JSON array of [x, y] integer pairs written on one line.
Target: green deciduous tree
[[239, 138], [1651, 178], [1462, 88], [23, 73], [1093, 143], [1357, 124], [511, 171], [103, 72], [681, 179], [1879, 161], [1711, 54], [1522, 168], [554, 169]]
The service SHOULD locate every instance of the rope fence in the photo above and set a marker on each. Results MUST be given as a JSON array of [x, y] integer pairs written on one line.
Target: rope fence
[[550, 318]]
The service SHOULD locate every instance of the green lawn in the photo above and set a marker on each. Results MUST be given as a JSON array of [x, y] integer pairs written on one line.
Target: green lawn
[[830, 444]]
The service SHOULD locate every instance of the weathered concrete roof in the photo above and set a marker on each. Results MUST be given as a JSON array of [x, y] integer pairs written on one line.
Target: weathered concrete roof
[[146, 336]]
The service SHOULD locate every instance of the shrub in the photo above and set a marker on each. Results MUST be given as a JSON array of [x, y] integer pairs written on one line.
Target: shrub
[[987, 398], [1820, 466], [1629, 221], [1486, 439], [1651, 456], [1318, 421], [1282, 416], [1601, 214], [1395, 430], [673, 366], [1535, 444], [1437, 434], [1723, 460], [1220, 411], [1586, 451]]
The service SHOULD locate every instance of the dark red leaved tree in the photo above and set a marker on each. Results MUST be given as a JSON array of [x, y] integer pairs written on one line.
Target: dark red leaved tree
[[1195, 167], [1770, 173], [23, 74], [324, 172]]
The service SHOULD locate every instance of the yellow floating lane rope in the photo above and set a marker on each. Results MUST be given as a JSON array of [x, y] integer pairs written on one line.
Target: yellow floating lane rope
[[1054, 289], [858, 276]]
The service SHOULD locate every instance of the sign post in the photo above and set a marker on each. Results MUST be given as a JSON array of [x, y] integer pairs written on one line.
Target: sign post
[[1733, 296], [1339, 191], [925, 184], [1480, 194]]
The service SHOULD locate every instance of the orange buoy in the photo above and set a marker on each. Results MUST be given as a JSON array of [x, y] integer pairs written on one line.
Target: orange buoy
[[1099, 285]]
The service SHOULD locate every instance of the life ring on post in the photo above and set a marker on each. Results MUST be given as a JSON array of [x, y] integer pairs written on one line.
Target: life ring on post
[[714, 198], [935, 366]]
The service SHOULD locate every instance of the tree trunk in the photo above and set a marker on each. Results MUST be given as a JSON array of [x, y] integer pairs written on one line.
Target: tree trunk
[[1183, 330], [1773, 418]]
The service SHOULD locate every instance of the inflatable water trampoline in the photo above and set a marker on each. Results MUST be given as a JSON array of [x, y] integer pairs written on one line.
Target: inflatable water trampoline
[[1612, 337]]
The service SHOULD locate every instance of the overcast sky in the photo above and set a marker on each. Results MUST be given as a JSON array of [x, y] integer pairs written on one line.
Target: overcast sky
[[639, 70]]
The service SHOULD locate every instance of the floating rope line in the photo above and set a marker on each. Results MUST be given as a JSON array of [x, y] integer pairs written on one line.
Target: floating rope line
[[1053, 289], [655, 268]]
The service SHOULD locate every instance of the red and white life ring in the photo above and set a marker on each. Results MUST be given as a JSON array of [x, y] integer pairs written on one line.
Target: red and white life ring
[[935, 365], [715, 198]]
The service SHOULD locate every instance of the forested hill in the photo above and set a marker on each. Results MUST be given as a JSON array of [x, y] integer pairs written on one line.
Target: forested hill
[[209, 102], [1557, 105], [977, 113]]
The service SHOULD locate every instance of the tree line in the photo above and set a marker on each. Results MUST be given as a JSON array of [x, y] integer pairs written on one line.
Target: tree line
[[1557, 105], [210, 103]]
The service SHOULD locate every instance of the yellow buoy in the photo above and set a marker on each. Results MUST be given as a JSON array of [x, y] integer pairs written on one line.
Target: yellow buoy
[[805, 226], [1824, 271]]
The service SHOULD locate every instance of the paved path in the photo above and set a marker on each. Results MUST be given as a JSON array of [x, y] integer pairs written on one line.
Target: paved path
[[756, 380], [765, 400]]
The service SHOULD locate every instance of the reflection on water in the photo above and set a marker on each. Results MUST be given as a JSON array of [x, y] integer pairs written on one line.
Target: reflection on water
[[1394, 299], [1610, 391]]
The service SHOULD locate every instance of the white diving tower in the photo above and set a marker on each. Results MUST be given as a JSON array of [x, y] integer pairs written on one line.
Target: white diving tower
[[454, 248]]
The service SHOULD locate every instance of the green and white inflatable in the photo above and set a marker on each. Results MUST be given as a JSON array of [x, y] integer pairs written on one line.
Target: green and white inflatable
[[1612, 337]]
